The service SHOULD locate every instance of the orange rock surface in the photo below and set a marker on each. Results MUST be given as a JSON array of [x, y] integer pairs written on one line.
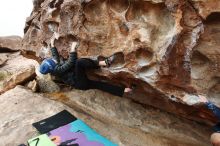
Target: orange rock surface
[[169, 49]]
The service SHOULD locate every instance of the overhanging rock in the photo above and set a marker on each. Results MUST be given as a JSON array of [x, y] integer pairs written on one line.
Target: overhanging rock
[[154, 41]]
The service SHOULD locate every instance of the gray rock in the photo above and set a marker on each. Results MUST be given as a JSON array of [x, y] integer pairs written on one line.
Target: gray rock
[[15, 71], [135, 125], [33, 85], [47, 86], [19, 109], [120, 120]]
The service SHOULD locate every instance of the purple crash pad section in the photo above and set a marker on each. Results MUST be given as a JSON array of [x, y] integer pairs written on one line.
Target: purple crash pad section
[[78, 133]]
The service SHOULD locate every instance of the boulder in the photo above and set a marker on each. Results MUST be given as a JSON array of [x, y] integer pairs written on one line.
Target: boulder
[[155, 42], [43, 83], [119, 119], [16, 70], [10, 43], [47, 86], [33, 85], [19, 109]]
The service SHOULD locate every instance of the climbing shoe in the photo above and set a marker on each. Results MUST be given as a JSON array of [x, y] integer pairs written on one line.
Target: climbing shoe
[[109, 60]]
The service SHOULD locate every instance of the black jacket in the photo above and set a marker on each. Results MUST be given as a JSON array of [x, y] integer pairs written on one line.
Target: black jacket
[[64, 70], [216, 111]]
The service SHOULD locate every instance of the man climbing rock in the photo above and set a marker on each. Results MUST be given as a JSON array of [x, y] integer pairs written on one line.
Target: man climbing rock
[[215, 137], [73, 70]]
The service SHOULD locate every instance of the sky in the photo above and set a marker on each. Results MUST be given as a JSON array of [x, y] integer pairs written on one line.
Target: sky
[[13, 14]]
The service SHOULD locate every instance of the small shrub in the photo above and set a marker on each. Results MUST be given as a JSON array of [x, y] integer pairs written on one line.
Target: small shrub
[[3, 75]]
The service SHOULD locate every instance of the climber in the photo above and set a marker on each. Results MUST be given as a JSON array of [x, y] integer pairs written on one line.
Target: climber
[[73, 70], [215, 137]]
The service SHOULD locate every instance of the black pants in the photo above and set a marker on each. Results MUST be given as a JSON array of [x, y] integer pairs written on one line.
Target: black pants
[[83, 83]]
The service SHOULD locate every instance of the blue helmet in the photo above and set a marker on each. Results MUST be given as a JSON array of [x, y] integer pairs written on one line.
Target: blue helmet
[[47, 66]]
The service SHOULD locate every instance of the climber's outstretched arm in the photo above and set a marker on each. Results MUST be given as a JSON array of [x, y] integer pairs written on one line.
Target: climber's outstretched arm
[[53, 49], [70, 63], [55, 54]]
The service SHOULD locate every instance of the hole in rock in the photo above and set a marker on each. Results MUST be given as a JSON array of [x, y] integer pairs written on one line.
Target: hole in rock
[[28, 22], [137, 40], [200, 65], [58, 3], [72, 38], [119, 5], [37, 27], [172, 96], [134, 11], [94, 9], [124, 29], [39, 18], [141, 10], [213, 17], [56, 12], [52, 26], [68, 16], [143, 56], [26, 28], [34, 33], [199, 59], [44, 44], [30, 55], [119, 60], [147, 71], [51, 4], [55, 3], [6, 50]]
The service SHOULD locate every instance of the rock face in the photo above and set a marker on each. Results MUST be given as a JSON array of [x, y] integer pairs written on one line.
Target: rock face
[[205, 8], [14, 68], [119, 119], [10, 43], [168, 48], [206, 60], [123, 113], [20, 108]]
